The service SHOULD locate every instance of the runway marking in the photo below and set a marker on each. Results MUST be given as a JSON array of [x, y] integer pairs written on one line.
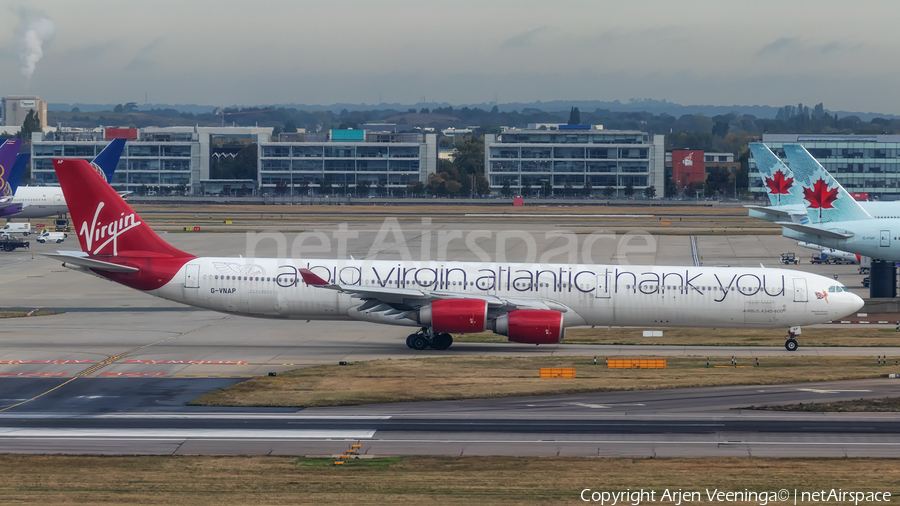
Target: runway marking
[[241, 416], [817, 391], [192, 362], [501, 215], [126, 374], [602, 406], [33, 374], [46, 361], [28, 432], [110, 360]]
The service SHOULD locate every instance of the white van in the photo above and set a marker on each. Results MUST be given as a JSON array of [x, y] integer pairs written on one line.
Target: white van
[[48, 236], [16, 228]]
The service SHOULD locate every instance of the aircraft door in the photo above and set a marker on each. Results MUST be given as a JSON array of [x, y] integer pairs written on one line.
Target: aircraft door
[[800, 290], [603, 290], [885, 238], [192, 276]]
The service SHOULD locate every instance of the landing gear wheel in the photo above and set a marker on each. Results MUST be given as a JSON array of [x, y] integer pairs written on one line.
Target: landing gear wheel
[[419, 343], [442, 341], [409, 340], [790, 345]]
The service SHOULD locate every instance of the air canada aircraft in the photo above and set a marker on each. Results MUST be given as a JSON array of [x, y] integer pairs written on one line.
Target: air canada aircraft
[[836, 220], [41, 201], [786, 196], [528, 303]]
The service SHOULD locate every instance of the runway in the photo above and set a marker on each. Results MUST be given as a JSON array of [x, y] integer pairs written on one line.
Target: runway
[[115, 372], [147, 416]]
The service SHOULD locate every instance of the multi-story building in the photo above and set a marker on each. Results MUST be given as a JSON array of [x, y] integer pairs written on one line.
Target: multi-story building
[[15, 108], [572, 155], [868, 164], [326, 162], [161, 160]]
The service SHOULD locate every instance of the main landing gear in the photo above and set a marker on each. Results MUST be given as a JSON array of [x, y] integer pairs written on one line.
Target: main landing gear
[[428, 337], [791, 344]]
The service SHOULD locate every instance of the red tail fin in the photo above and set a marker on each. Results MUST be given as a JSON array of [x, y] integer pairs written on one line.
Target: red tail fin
[[106, 224]]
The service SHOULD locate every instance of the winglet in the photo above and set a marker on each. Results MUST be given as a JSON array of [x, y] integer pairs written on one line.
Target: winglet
[[310, 278]]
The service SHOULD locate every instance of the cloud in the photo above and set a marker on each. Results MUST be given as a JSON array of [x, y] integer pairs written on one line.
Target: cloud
[[143, 58], [780, 45], [523, 39]]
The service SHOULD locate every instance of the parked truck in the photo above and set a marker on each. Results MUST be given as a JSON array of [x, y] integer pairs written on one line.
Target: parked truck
[[16, 228], [11, 243]]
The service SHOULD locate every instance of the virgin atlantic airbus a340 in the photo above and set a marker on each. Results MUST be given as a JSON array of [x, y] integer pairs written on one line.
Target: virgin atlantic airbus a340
[[528, 303]]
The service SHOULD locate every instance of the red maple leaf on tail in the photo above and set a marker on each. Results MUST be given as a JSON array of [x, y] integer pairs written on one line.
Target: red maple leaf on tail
[[820, 196], [779, 185]]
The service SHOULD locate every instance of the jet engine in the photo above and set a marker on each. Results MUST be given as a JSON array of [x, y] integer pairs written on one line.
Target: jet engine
[[458, 316], [532, 326]]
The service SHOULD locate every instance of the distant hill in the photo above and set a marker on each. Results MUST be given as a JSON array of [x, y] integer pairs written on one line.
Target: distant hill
[[635, 105]]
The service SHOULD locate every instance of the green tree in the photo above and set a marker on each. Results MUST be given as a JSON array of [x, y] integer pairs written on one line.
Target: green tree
[[629, 189], [609, 190], [650, 192], [326, 188], [289, 127], [574, 116], [482, 185], [31, 124], [415, 188], [362, 188], [469, 156], [506, 190], [381, 190], [526, 189], [588, 190], [118, 108]]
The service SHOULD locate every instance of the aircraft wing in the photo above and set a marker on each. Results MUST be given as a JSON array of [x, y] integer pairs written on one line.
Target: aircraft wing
[[84, 261], [417, 297], [806, 229]]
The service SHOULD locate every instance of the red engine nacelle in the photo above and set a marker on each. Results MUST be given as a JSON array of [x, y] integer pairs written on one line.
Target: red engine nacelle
[[458, 316], [532, 326]]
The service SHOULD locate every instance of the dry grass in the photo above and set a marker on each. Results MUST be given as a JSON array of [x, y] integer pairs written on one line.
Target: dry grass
[[382, 381], [412, 480], [836, 335], [883, 405]]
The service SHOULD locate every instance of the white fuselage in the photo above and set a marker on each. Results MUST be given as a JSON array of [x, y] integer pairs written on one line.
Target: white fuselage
[[40, 201], [585, 294]]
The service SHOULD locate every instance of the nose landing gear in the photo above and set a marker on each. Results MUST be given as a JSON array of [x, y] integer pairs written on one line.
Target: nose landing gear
[[428, 337]]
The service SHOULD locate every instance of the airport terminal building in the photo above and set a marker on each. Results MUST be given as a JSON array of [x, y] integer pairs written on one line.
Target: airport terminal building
[[161, 160], [326, 162], [863, 164], [572, 155]]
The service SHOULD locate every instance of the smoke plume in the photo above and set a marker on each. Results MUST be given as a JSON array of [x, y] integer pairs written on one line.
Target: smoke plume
[[36, 33]]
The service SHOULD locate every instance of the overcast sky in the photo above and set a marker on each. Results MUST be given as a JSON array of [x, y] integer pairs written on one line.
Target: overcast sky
[[224, 52]]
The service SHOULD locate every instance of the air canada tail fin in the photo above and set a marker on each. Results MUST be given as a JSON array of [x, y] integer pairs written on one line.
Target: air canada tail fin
[[826, 200], [105, 224], [777, 177], [18, 170], [108, 159], [8, 152]]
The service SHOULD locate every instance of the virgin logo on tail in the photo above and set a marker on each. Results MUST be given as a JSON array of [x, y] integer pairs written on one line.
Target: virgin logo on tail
[[110, 231]]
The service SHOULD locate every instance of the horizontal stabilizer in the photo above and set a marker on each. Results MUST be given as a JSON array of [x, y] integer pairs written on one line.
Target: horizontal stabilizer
[[815, 231], [90, 263], [778, 213]]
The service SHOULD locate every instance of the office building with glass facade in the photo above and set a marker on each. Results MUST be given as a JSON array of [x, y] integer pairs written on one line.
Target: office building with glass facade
[[163, 160], [861, 163], [571, 156], [336, 161]]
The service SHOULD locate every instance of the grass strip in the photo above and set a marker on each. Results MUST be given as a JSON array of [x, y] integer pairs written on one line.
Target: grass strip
[[448, 378], [198, 480], [835, 335], [883, 405]]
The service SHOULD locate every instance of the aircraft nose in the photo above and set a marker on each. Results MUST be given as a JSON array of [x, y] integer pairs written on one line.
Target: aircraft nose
[[854, 303]]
